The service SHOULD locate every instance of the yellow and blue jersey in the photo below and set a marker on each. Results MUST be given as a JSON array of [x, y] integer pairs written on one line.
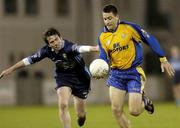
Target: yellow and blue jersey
[[122, 48]]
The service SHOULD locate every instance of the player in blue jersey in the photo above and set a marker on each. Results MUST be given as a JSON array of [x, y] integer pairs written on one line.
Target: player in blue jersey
[[72, 76], [175, 62], [120, 44]]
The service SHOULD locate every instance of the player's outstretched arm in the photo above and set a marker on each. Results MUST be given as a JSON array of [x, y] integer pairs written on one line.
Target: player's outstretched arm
[[84, 48], [94, 48], [166, 66], [8, 71]]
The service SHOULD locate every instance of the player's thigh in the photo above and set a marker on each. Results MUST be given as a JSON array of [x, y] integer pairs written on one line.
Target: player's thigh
[[117, 97], [64, 94], [135, 101], [79, 105]]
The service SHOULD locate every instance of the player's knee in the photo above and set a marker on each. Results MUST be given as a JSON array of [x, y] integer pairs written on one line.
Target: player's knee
[[134, 111], [63, 106], [116, 109]]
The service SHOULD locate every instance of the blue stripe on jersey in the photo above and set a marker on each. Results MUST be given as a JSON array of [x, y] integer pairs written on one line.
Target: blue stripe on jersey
[[139, 54], [102, 54]]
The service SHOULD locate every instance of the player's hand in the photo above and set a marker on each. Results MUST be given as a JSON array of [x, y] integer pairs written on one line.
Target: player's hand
[[94, 48], [5, 72], [169, 69]]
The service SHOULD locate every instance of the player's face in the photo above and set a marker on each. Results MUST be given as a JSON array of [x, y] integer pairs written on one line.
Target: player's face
[[110, 20], [55, 42]]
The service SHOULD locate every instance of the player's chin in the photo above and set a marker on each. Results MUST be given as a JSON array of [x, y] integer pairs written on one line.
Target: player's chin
[[56, 48], [110, 28]]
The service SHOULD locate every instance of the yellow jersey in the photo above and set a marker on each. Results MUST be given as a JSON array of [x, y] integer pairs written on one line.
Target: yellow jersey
[[122, 48]]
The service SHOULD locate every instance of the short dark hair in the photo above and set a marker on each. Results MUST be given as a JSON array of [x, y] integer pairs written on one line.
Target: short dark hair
[[50, 32], [110, 8]]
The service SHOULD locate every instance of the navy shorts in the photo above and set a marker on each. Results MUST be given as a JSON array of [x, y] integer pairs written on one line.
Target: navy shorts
[[129, 80], [80, 85]]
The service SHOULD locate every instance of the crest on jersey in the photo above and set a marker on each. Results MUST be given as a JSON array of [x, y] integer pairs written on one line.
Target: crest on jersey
[[123, 35], [108, 42], [64, 56]]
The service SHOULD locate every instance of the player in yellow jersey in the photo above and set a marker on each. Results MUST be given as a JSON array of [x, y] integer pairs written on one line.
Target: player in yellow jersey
[[120, 46]]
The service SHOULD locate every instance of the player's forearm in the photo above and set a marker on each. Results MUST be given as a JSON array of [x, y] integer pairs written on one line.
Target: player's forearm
[[16, 66], [12, 68], [83, 49], [94, 48]]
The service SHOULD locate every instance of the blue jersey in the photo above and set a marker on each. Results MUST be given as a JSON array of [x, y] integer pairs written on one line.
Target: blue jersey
[[67, 61]]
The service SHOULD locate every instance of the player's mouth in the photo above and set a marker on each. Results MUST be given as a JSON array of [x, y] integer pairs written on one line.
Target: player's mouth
[[109, 25], [56, 47]]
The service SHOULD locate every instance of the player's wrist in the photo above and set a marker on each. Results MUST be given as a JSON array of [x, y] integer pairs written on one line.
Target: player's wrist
[[163, 59]]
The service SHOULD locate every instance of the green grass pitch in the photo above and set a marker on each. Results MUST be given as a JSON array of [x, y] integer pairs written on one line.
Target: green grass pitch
[[166, 115]]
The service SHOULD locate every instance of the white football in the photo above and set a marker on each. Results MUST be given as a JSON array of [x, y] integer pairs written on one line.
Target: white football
[[98, 68]]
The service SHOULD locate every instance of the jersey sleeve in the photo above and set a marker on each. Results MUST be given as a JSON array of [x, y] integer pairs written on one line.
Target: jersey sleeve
[[75, 47], [71, 46], [38, 56], [150, 40]]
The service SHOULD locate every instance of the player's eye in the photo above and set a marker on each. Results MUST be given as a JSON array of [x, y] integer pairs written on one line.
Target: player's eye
[[56, 39], [109, 18], [51, 42]]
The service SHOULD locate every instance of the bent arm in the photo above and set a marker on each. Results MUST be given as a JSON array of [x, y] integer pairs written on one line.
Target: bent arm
[[16, 66], [152, 42]]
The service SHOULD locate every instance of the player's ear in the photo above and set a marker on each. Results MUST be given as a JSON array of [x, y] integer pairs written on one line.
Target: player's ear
[[48, 44], [117, 16], [60, 37], [45, 40]]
